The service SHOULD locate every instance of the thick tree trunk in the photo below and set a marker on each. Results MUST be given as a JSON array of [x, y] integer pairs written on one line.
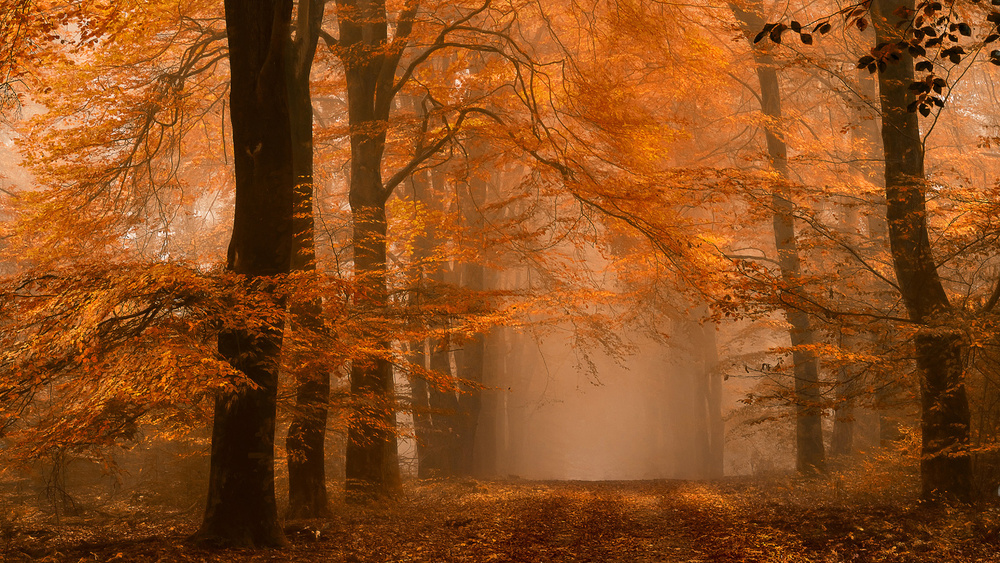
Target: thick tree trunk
[[307, 496], [241, 507], [810, 455], [945, 466]]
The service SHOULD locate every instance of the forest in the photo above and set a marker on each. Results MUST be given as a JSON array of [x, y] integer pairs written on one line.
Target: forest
[[499, 280]]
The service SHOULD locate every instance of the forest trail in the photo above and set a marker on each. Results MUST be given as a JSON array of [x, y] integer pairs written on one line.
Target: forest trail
[[784, 520]]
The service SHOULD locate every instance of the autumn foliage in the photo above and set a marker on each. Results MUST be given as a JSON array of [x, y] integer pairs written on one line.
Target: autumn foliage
[[795, 206]]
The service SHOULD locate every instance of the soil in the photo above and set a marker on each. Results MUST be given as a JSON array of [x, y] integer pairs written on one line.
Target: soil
[[732, 520]]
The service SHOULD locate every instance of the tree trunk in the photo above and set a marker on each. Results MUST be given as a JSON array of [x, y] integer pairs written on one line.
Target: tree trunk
[[241, 507], [945, 465], [307, 496], [371, 465], [436, 431], [423, 420], [444, 401], [421, 406], [369, 68], [842, 436], [470, 399], [473, 277], [872, 166], [489, 427], [712, 376], [810, 455], [440, 460]]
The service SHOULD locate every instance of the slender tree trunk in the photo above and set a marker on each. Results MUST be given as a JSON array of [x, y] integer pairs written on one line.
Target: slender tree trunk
[[307, 496], [369, 66], [810, 455], [945, 465], [489, 429], [872, 167], [842, 436], [443, 399], [421, 410], [470, 400], [437, 430], [439, 459], [691, 394], [241, 508], [473, 277], [423, 420], [712, 376]]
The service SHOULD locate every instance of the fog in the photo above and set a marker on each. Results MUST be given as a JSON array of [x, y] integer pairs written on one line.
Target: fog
[[556, 409]]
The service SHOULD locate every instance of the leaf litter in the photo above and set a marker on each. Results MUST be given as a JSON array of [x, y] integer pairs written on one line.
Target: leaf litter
[[781, 519]]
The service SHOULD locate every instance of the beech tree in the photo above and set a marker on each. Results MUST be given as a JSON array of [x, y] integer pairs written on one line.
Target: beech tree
[[623, 143], [241, 503], [305, 443], [374, 76], [370, 63], [810, 457], [945, 464]]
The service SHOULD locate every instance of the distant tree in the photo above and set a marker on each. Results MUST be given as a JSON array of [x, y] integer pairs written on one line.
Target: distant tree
[[435, 403]]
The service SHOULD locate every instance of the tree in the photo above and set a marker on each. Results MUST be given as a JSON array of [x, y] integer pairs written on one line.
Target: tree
[[371, 62], [810, 457], [945, 464], [435, 403], [472, 361], [307, 496], [241, 507]]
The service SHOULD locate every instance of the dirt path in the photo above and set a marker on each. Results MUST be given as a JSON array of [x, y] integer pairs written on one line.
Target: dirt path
[[533, 522]]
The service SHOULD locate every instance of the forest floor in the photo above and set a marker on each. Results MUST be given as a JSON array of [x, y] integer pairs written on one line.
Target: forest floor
[[779, 519]]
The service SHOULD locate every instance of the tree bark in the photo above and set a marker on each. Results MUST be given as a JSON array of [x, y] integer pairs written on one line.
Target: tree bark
[[945, 464], [810, 454], [304, 444], [371, 465], [241, 510], [470, 400]]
